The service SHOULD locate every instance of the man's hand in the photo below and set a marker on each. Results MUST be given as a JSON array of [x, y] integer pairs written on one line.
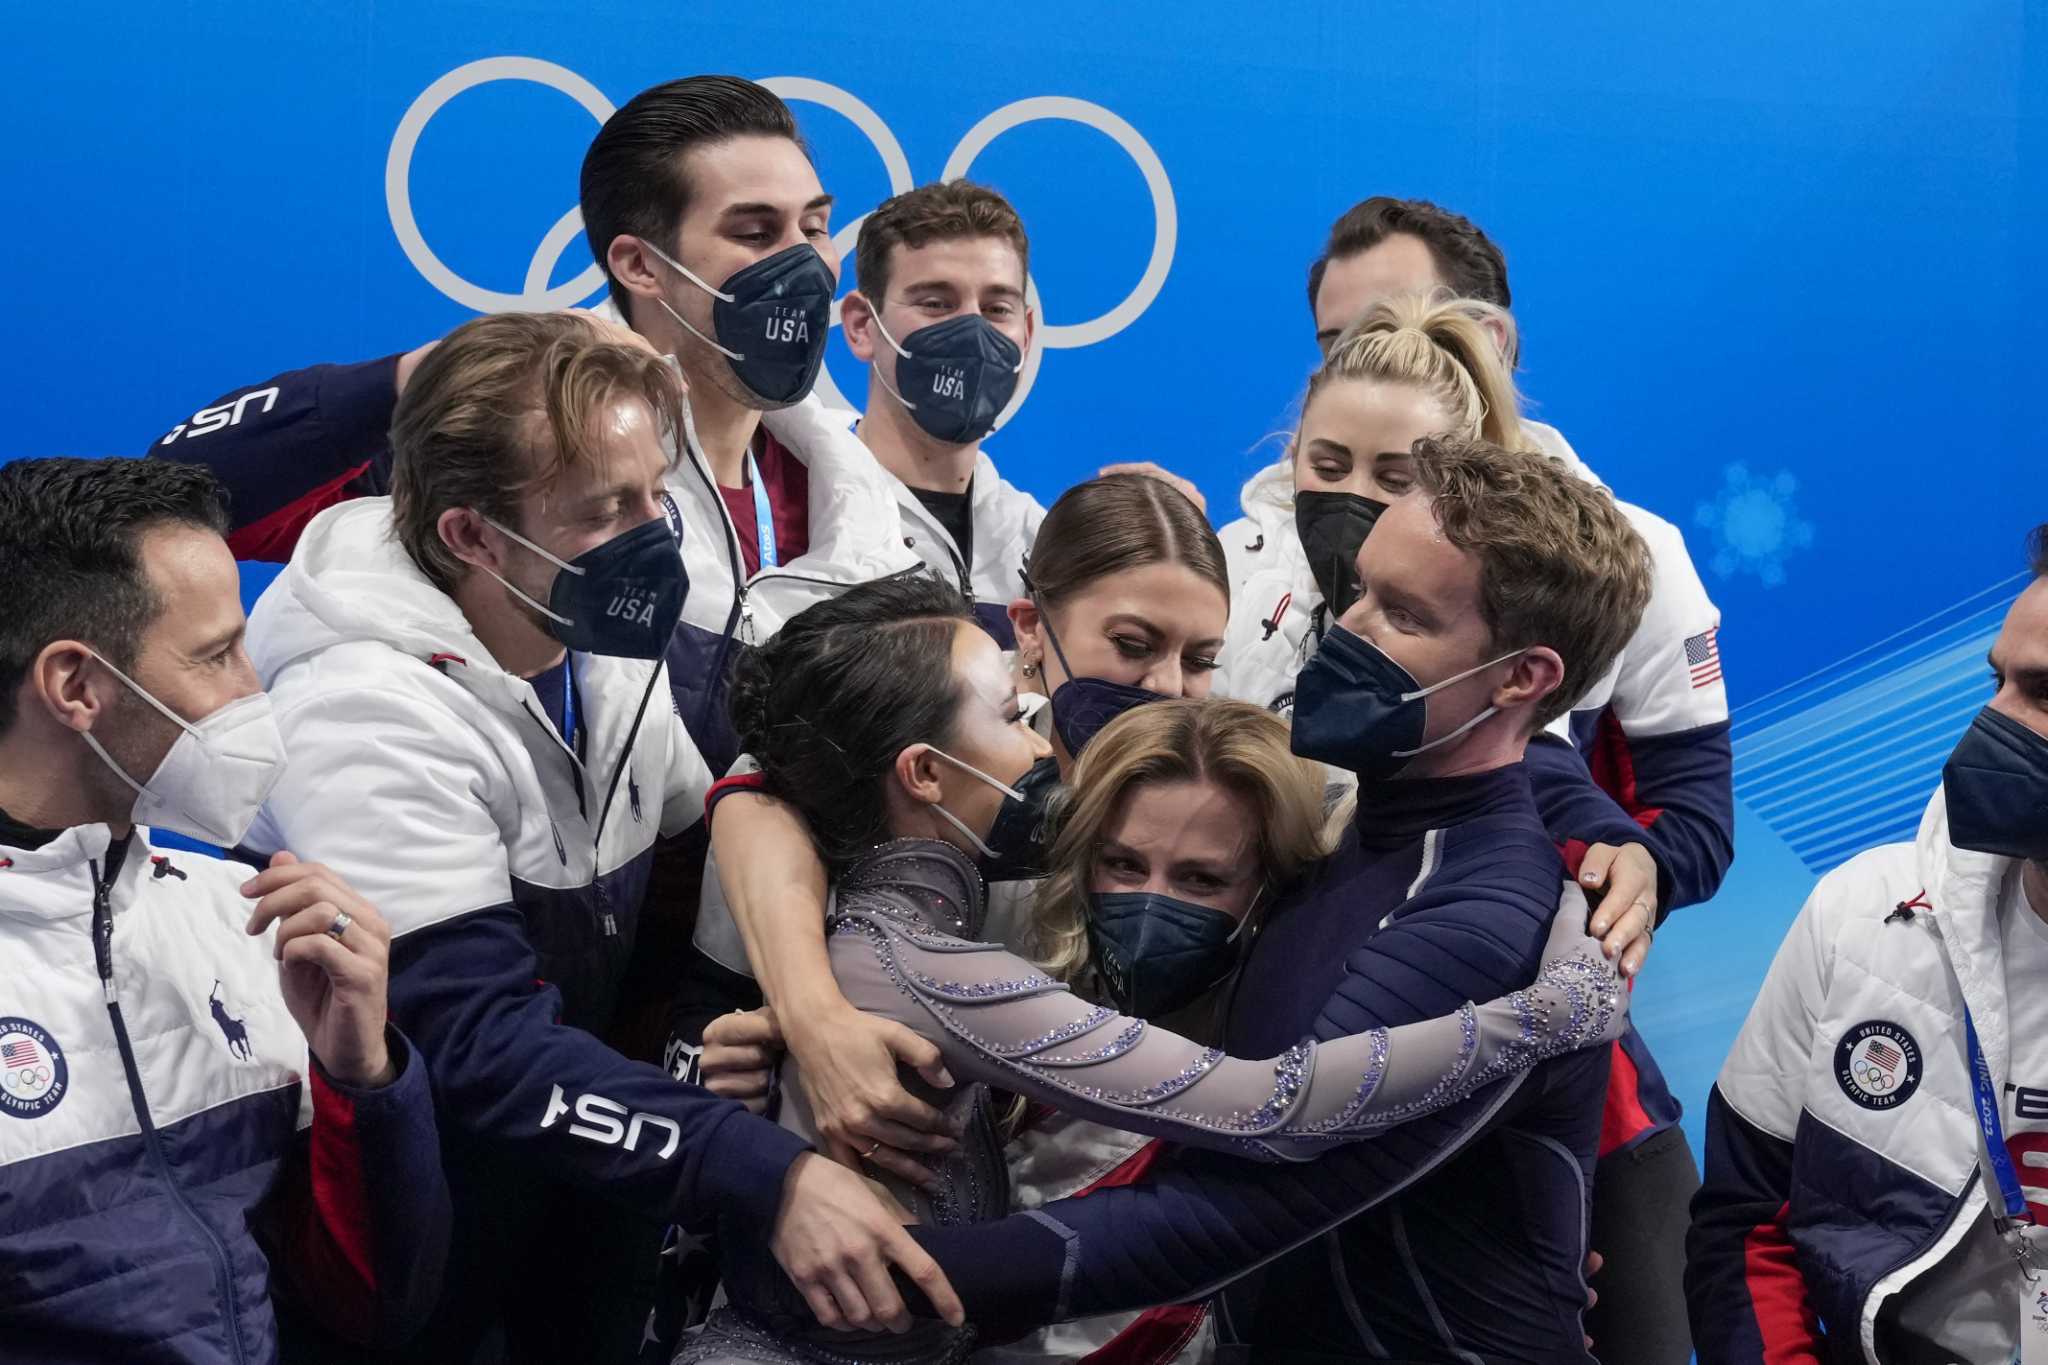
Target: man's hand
[[1626, 914], [836, 1243], [741, 1051], [334, 984], [847, 1064], [1172, 480]]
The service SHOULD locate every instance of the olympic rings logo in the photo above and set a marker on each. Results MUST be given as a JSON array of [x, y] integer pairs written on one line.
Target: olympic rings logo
[[29, 1080], [1873, 1077], [535, 295]]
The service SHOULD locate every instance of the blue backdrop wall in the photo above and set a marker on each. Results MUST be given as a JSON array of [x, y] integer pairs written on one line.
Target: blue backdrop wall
[[1777, 269]]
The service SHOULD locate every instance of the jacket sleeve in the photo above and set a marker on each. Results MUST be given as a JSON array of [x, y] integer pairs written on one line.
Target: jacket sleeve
[[1661, 747], [367, 1214], [1207, 1218], [997, 1019], [291, 446], [1744, 1293], [689, 777], [387, 787]]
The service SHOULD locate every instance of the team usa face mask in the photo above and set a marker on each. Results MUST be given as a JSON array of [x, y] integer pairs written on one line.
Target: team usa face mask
[[1356, 709], [1996, 788], [1013, 850], [622, 598], [955, 377], [1157, 953], [771, 318]]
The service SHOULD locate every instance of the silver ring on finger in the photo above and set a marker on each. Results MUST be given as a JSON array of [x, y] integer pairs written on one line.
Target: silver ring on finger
[[869, 1154], [340, 925]]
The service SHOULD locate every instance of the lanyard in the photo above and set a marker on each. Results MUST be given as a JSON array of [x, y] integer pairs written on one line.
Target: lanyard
[[569, 703], [764, 518], [1994, 1133]]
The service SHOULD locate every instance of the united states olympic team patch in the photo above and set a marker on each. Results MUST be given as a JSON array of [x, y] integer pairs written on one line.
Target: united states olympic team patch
[[1877, 1064], [33, 1073]]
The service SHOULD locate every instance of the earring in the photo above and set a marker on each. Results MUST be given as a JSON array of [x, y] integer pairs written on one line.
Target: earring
[[1030, 670]]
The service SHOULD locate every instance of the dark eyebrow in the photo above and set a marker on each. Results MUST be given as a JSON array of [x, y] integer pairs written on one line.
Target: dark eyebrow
[[1338, 446]]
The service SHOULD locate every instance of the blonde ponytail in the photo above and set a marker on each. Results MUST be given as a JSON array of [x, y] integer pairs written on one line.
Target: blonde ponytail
[[1450, 348]]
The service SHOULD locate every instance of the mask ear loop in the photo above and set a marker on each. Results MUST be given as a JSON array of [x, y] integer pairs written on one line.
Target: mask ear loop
[[1477, 720], [513, 535], [691, 276], [1052, 636], [893, 345], [139, 690], [1005, 788]]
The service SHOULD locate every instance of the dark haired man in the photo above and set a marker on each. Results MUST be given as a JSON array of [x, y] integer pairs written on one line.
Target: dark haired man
[[1654, 731], [701, 204], [190, 1105], [1876, 1139]]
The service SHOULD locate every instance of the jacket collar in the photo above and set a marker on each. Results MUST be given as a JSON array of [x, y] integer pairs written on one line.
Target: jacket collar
[[1966, 889], [1397, 810]]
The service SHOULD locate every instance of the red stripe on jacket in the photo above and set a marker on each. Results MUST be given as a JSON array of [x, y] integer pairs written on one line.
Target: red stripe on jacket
[[1614, 769], [1786, 1327], [1622, 1118], [271, 538], [333, 1240]]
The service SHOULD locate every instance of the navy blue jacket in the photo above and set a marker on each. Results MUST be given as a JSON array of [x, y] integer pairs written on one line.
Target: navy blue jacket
[[1474, 1247]]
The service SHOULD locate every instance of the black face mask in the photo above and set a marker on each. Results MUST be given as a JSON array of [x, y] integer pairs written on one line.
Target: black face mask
[[1332, 527], [1018, 836], [622, 598], [1082, 706], [771, 318], [1157, 954], [1996, 785], [955, 376]]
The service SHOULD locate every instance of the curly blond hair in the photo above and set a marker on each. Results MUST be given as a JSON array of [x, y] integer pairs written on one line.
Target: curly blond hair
[[1240, 747]]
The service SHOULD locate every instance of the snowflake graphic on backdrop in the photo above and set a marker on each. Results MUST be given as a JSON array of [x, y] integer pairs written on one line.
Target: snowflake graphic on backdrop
[[1756, 524]]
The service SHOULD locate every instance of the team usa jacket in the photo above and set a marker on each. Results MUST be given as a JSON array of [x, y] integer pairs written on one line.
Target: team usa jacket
[[510, 859], [1829, 1194], [170, 1153], [1653, 732], [1475, 1243], [308, 439]]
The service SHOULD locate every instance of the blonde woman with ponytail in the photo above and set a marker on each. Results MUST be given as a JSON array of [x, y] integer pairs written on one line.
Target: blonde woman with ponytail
[[1415, 365]]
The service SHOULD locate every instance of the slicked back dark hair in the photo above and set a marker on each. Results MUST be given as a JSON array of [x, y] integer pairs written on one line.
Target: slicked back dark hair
[[1466, 258], [843, 688], [633, 183], [70, 552]]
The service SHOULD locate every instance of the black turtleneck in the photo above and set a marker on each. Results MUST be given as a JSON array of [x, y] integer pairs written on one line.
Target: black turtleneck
[[15, 834]]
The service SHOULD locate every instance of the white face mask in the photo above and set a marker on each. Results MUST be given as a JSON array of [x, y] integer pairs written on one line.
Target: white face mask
[[217, 775]]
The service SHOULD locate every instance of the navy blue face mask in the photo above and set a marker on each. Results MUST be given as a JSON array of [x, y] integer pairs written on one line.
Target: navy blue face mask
[[771, 318], [1996, 786], [955, 377], [622, 598], [1017, 839], [1082, 706], [1158, 954], [1356, 709]]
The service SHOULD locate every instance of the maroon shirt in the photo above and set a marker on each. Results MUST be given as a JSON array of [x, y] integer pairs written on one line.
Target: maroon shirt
[[789, 502]]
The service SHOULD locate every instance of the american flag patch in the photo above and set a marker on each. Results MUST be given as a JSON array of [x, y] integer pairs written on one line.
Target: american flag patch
[[1885, 1055], [1703, 658], [21, 1052]]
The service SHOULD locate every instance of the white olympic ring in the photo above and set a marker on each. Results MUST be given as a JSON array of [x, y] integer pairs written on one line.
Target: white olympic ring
[[535, 295]]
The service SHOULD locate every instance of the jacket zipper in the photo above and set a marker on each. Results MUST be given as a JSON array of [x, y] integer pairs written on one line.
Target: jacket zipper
[[103, 956]]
